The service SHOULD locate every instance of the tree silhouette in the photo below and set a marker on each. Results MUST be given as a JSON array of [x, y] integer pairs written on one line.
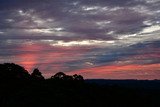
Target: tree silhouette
[[68, 78], [59, 76], [78, 77], [63, 76], [37, 75], [70, 90], [11, 71]]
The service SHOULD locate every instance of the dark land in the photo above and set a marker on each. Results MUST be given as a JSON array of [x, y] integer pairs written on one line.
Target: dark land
[[18, 88]]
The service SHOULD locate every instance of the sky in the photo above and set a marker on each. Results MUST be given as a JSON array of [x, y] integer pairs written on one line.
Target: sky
[[106, 39]]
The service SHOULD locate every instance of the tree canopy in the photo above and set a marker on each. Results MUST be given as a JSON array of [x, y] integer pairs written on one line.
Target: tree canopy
[[11, 71], [37, 75], [63, 76]]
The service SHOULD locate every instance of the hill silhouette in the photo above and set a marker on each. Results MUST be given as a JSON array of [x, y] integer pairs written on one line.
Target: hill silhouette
[[18, 88]]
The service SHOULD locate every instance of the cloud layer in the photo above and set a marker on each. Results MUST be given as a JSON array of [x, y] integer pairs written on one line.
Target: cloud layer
[[80, 35]]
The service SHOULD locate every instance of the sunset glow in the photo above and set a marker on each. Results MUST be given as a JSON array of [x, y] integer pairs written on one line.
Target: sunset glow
[[109, 39]]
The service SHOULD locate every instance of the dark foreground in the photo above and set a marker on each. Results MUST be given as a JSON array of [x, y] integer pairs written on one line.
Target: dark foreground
[[18, 88], [90, 93]]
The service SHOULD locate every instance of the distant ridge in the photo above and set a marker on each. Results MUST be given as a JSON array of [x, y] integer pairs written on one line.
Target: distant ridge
[[130, 83]]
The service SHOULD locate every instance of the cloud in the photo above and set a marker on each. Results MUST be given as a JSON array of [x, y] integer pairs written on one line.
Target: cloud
[[132, 71], [95, 33]]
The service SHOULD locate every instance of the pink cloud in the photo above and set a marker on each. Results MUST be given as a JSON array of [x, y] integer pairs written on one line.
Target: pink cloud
[[132, 71], [49, 59]]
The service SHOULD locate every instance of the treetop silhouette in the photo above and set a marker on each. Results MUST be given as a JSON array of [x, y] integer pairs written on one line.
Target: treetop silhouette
[[37, 75], [11, 71], [59, 75], [63, 76]]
